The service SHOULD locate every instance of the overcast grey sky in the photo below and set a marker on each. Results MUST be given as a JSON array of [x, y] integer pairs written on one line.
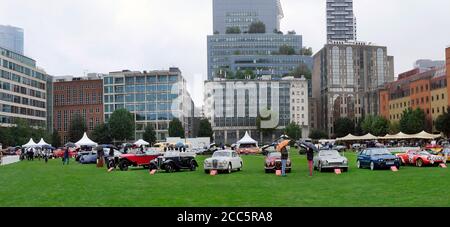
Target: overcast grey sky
[[68, 37]]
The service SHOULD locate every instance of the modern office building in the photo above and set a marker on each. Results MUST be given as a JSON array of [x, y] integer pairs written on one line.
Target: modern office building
[[259, 53], [11, 38], [23, 90], [341, 22], [346, 79], [427, 63], [154, 97], [423, 87], [262, 107], [82, 96], [242, 13]]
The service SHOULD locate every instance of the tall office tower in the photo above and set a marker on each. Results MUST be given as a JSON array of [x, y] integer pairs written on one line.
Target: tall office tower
[[11, 38], [341, 22], [242, 13]]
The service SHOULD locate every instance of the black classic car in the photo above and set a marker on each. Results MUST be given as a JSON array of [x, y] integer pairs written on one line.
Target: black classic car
[[174, 161]]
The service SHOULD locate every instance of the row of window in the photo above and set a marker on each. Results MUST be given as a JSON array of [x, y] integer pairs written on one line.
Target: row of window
[[11, 120], [427, 111], [141, 79], [80, 99], [24, 70], [21, 90], [23, 80], [78, 87], [21, 110], [21, 100], [417, 101]]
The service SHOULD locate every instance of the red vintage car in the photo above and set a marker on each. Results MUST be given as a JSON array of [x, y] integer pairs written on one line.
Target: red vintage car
[[273, 163], [248, 149], [59, 153], [144, 159], [420, 158]]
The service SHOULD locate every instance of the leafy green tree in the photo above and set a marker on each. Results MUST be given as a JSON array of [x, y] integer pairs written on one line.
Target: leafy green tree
[[257, 27], [101, 134], [6, 137], [317, 134], [176, 128], [301, 70], [343, 126], [239, 75], [249, 74], [21, 133], [443, 123], [307, 51], [286, 50], [56, 139], [122, 125], [205, 129], [77, 128], [394, 127], [413, 121], [375, 125], [294, 131], [150, 134], [233, 30]]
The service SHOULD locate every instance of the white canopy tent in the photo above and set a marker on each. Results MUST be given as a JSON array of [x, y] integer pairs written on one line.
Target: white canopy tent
[[367, 137], [349, 137], [247, 140], [425, 135], [85, 141], [141, 142], [43, 143], [31, 143]]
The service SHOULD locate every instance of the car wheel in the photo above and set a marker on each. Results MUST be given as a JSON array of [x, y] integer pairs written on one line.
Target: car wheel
[[419, 162], [267, 170], [239, 169], [123, 165], [345, 170], [152, 167], [372, 166], [229, 168], [207, 171], [193, 166], [169, 168], [358, 164]]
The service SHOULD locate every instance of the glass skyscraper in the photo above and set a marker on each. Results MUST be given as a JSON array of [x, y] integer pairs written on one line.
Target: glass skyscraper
[[341, 22], [155, 98], [11, 38]]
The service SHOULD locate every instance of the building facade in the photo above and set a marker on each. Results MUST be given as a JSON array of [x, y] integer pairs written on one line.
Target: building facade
[[155, 98], [74, 96], [242, 13], [23, 90], [346, 81], [263, 107], [341, 22], [256, 52], [11, 38]]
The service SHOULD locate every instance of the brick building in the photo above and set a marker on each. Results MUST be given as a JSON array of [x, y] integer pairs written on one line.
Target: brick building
[[72, 96]]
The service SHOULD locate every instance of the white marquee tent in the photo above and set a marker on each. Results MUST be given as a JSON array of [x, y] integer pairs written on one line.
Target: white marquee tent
[[85, 141], [31, 143], [43, 143], [247, 140], [141, 142]]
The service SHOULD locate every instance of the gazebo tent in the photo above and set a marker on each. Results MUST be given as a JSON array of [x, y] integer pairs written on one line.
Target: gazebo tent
[[141, 142], [85, 141], [43, 143], [31, 143], [368, 137], [247, 140], [425, 135], [349, 137]]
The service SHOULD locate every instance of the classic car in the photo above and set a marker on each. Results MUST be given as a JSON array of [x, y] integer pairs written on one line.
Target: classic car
[[377, 158], [139, 159], [247, 149], [174, 161], [273, 163], [330, 159], [420, 158], [223, 160], [88, 157], [59, 153]]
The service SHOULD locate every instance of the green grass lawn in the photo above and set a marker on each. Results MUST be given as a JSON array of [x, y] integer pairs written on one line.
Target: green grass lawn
[[48, 185]]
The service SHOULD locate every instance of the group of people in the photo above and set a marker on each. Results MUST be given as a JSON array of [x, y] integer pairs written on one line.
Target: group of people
[[32, 152], [282, 148]]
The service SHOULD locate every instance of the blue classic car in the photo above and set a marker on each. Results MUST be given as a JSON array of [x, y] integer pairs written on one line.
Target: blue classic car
[[377, 158]]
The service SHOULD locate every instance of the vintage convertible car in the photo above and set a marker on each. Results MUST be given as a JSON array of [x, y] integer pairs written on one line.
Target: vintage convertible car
[[143, 159], [377, 158], [273, 163], [174, 161], [420, 158], [330, 159], [223, 160]]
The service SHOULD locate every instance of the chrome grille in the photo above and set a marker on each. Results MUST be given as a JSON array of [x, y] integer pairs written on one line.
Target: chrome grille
[[215, 163]]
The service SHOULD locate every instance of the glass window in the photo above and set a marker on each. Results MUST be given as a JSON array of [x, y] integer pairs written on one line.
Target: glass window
[[162, 97], [151, 88], [163, 87], [173, 78], [140, 97], [129, 88], [108, 80], [151, 97], [151, 106], [140, 107], [118, 80], [140, 88], [129, 80], [140, 79], [151, 79], [118, 89], [130, 107], [162, 78], [120, 98], [129, 98]]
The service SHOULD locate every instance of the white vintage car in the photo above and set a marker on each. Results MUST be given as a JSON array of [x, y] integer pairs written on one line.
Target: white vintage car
[[223, 160]]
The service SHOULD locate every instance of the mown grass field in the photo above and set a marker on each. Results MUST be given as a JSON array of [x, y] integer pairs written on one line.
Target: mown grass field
[[49, 185]]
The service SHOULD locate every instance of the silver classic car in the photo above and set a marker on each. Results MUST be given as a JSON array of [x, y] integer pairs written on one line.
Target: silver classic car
[[330, 159]]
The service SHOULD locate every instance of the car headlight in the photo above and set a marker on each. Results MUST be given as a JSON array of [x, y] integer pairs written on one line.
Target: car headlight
[[345, 161], [224, 162], [380, 160]]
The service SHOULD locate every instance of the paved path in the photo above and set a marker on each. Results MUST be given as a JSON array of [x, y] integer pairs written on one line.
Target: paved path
[[10, 159]]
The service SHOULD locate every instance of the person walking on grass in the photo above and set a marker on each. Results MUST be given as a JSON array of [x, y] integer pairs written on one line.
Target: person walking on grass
[[66, 156], [310, 158]]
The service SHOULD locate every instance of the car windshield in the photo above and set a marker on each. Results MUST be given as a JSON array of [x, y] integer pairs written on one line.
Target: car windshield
[[424, 153], [222, 154], [380, 152], [275, 155], [328, 153]]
